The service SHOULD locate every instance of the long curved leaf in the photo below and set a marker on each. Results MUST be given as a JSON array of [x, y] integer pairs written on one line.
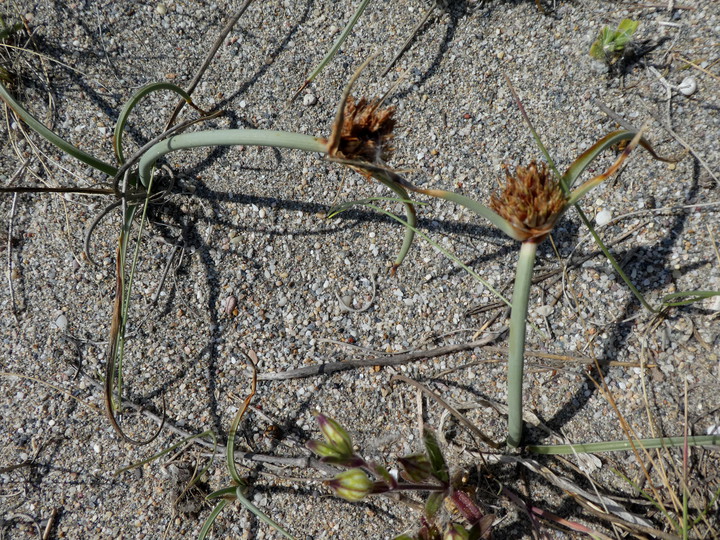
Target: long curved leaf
[[581, 163], [54, 138], [130, 105]]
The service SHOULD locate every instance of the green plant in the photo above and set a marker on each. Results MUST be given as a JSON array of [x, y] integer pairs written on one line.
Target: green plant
[[534, 198], [359, 137], [610, 44], [425, 472]]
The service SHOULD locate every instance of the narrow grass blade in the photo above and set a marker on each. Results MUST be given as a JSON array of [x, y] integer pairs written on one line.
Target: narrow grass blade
[[410, 215], [169, 449], [581, 163], [624, 445], [649, 498], [211, 519], [690, 297], [535, 135], [336, 46], [475, 207], [586, 187], [449, 255], [230, 448], [260, 515], [613, 261], [52, 137]]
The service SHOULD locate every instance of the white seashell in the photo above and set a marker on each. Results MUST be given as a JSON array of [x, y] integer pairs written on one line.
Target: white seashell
[[688, 86], [603, 217]]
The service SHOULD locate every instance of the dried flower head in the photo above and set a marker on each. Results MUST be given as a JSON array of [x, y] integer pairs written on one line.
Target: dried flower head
[[366, 131], [532, 201]]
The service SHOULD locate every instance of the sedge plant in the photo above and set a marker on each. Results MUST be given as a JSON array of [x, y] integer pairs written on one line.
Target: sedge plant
[[360, 134], [535, 197]]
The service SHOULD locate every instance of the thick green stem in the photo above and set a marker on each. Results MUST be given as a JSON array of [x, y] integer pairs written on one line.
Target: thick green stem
[[521, 293], [228, 137]]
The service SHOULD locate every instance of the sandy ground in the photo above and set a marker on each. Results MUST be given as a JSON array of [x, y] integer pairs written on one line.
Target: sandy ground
[[261, 270]]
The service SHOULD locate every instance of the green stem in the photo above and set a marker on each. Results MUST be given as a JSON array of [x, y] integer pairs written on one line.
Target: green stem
[[520, 299], [409, 212], [617, 446], [228, 137]]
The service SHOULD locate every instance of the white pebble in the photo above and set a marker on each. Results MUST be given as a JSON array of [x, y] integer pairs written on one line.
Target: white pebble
[[161, 9], [688, 86], [309, 99], [603, 217], [545, 311], [61, 323]]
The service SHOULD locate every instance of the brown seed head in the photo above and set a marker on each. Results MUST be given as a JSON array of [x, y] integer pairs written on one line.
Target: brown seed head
[[366, 131], [532, 201]]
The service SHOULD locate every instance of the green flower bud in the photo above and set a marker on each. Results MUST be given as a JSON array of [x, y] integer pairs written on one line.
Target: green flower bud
[[335, 435], [352, 485], [323, 450], [417, 467]]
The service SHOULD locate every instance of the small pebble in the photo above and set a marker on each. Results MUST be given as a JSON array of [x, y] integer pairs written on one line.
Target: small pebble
[[309, 99], [61, 323], [545, 311], [688, 86], [230, 304], [603, 217], [161, 9]]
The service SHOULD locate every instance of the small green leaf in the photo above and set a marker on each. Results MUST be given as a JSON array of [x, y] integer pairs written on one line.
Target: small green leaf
[[385, 475], [689, 297], [434, 503], [625, 30], [456, 532], [439, 467]]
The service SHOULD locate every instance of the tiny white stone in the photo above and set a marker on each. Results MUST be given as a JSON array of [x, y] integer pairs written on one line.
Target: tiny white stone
[[544, 311], [161, 9], [309, 99], [688, 86], [61, 323], [603, 217]]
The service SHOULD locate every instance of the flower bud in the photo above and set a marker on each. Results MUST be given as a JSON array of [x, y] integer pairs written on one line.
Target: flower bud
[[352, 485], [417, 467], [335, 435]]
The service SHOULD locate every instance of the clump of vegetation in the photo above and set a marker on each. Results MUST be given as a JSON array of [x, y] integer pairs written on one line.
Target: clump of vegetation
[[426, 472], [610, 44]]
